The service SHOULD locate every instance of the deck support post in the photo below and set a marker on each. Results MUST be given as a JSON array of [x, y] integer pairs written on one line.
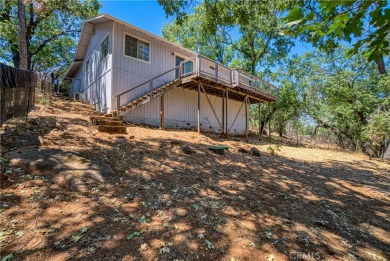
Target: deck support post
[[227, 114], [162, 112], [246, 119], [198, 116], [223, 113], [269, 120], [259, 115]]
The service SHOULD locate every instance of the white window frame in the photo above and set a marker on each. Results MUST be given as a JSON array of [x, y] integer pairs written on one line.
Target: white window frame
[[131, 57], [108, 48]]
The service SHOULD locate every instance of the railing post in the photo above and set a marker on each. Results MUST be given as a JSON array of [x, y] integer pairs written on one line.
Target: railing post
[[199, 65], [231, 78], [181, 69], [269, 91], [216, 72], [118, 104], [151, 89]]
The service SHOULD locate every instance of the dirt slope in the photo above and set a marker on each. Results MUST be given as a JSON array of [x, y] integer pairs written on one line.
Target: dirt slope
[[163, 204]]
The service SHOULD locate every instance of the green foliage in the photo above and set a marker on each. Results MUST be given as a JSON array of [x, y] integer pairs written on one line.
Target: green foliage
[[378, 126], [338, 92], [209, 245], [244, 30], [8, 257], [326, 23], [44, 100], [52, 29], [191, 34], [133, 235], [272, 149]]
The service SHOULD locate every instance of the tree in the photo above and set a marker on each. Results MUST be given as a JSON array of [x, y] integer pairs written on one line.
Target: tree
[[324, 23], [251, 28], [191, 34], [377, 129], [22, 35], [48, 25], [339, 93]]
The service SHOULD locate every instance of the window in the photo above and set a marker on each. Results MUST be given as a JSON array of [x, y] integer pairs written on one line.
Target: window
[[137, 48], [87, 66], [104, 49], [186, 69]]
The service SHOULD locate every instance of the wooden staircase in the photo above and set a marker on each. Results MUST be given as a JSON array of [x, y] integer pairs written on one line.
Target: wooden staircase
[[109, 124], [145, 98]]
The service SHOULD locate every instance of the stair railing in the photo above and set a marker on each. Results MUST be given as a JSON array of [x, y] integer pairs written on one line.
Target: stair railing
[[149, 85]]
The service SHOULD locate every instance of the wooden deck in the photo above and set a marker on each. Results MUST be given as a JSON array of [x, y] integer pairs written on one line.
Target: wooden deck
[[204, 75], [217, 79]]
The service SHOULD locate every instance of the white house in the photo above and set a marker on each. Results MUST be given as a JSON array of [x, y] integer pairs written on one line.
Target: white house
[[126, 71]]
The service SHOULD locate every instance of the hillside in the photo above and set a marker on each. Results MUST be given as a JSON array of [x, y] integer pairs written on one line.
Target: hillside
[[142, 198]]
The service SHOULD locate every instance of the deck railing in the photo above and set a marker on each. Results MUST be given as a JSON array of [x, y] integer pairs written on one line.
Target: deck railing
[[234, 77]]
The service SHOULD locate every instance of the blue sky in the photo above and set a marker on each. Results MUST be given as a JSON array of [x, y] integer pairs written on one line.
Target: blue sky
[[150, 16], [147, 14]]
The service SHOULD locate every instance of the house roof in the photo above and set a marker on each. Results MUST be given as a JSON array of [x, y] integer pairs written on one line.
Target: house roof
[[87, 32]]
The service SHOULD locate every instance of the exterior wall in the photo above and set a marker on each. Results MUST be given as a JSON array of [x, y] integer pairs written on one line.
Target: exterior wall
[[78, 81], [128, 72], [181, 107], [95, 86]]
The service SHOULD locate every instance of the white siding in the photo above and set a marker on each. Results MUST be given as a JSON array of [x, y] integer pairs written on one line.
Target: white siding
[[78, 81], [96, 84], [181, 112], [128, 72]]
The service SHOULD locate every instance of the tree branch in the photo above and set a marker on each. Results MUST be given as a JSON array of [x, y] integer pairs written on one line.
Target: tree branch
[[45, 42]]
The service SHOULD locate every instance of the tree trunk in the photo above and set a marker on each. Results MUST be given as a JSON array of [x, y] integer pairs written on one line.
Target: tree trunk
[[381, 66], [15, 56], [22, 35]]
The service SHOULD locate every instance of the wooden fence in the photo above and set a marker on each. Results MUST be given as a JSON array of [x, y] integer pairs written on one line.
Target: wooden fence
[[17, 91]]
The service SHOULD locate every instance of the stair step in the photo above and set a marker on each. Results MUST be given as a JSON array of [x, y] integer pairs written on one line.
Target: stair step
[[105, 117], [110, 123], [111, 129]]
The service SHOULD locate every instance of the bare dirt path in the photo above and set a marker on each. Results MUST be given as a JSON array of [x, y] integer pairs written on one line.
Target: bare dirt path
[[163, 204]]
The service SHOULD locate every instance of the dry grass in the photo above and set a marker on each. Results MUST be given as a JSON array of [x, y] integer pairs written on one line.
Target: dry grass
[[163, 204]]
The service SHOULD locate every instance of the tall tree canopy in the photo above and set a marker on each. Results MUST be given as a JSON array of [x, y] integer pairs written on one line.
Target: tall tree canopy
[[365, 24], [249, 28], [193, 34], [51, 30]]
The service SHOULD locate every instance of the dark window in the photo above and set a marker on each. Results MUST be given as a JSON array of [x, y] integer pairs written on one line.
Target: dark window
[[87, 66], [104, 49], [137, 48]]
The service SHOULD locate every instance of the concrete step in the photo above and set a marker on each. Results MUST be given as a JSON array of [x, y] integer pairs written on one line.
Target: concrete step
[[111, 129]]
